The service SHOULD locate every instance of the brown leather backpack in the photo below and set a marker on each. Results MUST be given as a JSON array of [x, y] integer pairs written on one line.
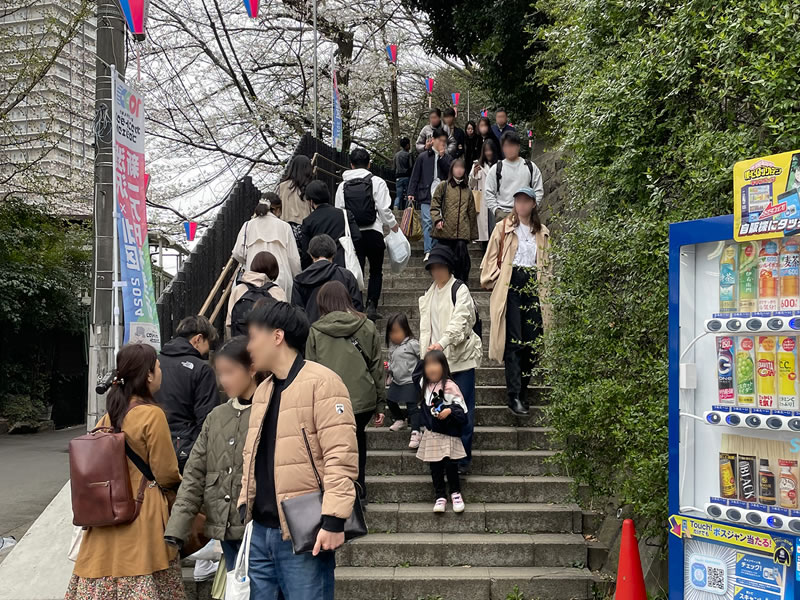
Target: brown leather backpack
[[100, 482]]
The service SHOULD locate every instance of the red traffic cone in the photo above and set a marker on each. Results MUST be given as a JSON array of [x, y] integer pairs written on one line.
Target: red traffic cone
[[630, 579]]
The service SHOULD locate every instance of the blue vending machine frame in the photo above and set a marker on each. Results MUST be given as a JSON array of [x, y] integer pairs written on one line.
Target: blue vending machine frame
[[713, 229]]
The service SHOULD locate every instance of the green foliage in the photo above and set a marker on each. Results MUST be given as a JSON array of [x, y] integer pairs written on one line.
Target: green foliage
[[493, 36], [654, 103], [44, 267], [515, 594]]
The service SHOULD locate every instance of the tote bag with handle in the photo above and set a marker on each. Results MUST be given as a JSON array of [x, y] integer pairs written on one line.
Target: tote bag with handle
[[410, 224], [350, 257], [237, 583]]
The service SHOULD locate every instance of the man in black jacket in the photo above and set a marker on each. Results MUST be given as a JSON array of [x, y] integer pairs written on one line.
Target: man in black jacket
[[431, 165], [454, 150], [189, 387], [306, 285], [327, 219]]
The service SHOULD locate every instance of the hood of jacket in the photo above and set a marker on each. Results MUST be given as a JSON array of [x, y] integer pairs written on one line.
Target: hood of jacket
[[255, 278], [317, 273], [355, 174], [180, 347], [339, 324]]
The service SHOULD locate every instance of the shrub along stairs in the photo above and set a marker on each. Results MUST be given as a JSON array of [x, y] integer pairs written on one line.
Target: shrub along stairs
[[520, 527]]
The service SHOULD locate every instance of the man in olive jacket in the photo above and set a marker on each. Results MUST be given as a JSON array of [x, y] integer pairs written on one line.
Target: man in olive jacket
[[301, 413]]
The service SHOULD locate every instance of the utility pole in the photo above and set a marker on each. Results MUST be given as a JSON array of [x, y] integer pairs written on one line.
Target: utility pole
[[316, 93], [110, 51], [395, 107]]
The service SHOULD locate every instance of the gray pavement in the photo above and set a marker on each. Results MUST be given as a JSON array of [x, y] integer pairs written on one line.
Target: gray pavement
[[33, 468]]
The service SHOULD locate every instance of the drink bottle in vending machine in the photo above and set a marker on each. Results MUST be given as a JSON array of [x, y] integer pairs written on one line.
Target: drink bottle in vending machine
[[790, 274]]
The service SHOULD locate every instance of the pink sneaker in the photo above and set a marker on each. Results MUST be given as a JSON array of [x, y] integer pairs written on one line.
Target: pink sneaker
[[416, 438], [440, 506], [458, 503]]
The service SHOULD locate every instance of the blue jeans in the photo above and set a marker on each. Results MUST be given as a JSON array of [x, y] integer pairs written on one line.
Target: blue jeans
[[276, 573], [229, 550], [465, 380], [401, 185], [427, 227]]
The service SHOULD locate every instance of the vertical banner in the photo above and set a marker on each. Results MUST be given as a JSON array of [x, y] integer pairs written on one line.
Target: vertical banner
[[136, 277], [336, 128]]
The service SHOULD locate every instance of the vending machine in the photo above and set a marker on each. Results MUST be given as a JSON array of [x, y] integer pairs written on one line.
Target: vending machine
[[734, 399]]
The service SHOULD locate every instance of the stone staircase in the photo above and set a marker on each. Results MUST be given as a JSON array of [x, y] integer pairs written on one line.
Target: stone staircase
[[520, 529]]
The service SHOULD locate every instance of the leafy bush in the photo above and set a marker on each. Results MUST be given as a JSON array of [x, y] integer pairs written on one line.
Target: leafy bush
[[654, 103], [44, 267]]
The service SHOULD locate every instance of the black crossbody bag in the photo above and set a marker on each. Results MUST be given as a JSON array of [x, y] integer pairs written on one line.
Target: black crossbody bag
[[304, 514]]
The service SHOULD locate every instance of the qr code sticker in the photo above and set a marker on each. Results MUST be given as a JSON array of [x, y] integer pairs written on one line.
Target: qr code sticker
[[716, 579]]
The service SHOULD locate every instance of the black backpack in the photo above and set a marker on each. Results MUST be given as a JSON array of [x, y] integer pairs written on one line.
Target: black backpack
[[241, 310], [358, 200], [478, 326], [499, 171]]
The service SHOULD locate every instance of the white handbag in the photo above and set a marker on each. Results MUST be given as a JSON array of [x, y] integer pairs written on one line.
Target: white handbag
[[350, 257], [237, 581]]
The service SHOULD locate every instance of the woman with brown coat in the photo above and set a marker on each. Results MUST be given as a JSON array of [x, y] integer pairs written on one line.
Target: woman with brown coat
[[516, 269], [455, 222], [133, 560]]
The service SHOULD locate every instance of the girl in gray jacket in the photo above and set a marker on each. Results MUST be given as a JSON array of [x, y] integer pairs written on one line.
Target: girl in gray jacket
[[403, 359]]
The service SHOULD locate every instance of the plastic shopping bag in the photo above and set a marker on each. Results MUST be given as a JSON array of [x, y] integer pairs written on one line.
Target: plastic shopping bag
[[399, 250], [237, 586]]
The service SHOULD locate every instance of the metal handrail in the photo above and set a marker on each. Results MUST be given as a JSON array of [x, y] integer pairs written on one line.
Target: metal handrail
[[207, 304]]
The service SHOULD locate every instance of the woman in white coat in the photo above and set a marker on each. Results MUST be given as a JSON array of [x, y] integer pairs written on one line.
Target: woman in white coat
[[477, 183], [267, 233]]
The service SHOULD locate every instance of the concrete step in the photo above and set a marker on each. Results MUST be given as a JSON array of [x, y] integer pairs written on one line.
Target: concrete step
[[409, 304], [460, 549], [479, 517], [484, 462], [394, 297], [486, 438], [476, 488], [462, 583]]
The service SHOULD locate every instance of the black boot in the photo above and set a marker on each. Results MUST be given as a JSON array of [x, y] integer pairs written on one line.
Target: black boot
[[523, 398], [516, 407], [372, 312]]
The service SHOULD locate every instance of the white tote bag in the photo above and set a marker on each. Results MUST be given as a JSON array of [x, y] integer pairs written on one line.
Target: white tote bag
[[350, 257], [399, 250], [237, 583]]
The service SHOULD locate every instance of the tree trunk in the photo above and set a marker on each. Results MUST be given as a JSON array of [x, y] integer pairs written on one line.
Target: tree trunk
[[344, 45]]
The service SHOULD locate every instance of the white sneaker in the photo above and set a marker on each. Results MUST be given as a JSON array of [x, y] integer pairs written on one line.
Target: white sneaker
[[416, 438], [427, 256], [458, 503], [398, 425], [440, 506], [205, 569]]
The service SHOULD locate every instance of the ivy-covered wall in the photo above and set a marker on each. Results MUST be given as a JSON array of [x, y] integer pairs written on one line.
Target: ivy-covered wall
[[654, 102]]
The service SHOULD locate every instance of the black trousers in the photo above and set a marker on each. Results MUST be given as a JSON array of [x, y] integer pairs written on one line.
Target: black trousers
[[362, 420], [370, 248], [523, 327], [438, 471], [463, 264], [403, 402]]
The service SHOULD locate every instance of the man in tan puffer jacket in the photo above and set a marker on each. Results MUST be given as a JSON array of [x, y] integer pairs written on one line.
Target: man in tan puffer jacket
[[301, 408]]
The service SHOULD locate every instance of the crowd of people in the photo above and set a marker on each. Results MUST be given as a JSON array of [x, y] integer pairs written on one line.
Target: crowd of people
[[303, 367]]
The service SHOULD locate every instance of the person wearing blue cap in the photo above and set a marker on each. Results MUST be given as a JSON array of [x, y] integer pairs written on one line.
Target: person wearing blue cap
[[516, 269]]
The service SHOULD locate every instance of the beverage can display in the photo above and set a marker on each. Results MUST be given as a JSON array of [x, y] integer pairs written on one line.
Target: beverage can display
[[748, 276], [788, 483], [768, 263], [745, 371], [789, 270], [747, 478], [766, 483], [765, 372], [727, 279], [727, 394], [727, 475], [787, 372]]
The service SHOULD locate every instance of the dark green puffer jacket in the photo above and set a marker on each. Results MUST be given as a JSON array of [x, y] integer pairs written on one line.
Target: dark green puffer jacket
[[212, 478], [329, 344]]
